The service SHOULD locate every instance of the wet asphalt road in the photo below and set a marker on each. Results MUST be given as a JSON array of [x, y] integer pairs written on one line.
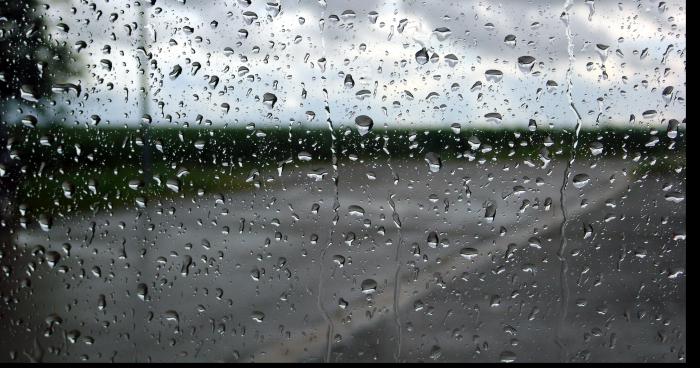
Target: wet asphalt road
[[625, 279]]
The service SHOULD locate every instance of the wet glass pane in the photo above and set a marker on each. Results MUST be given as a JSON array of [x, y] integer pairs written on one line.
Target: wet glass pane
[[342, 181]]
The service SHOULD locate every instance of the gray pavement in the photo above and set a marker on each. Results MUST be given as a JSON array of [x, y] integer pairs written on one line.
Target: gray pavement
[[235, 276]]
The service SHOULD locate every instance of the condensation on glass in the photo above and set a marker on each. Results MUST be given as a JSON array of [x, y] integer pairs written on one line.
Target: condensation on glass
[[342, 181]]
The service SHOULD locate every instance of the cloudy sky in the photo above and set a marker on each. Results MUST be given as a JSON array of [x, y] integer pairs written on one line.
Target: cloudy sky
[[275, 48]]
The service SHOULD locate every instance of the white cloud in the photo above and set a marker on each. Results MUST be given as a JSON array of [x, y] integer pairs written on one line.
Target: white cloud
[[283, 68]]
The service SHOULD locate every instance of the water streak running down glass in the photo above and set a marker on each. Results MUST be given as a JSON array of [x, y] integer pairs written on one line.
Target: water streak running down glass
[[342, 181]]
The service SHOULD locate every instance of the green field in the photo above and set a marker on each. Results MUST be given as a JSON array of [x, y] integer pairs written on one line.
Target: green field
[[221, 159]]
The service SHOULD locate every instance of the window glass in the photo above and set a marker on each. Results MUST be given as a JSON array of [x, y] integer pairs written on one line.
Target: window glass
[[342, 181]]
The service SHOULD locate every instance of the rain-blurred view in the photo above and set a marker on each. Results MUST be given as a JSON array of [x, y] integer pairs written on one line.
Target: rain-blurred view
[[342, 181]]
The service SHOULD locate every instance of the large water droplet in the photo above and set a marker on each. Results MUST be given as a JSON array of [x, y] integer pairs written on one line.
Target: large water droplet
[[493, 75], [269, 100], [525, 63], [368, 286], [580, 180], [422, 56], [434, 161], [364, 124]]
